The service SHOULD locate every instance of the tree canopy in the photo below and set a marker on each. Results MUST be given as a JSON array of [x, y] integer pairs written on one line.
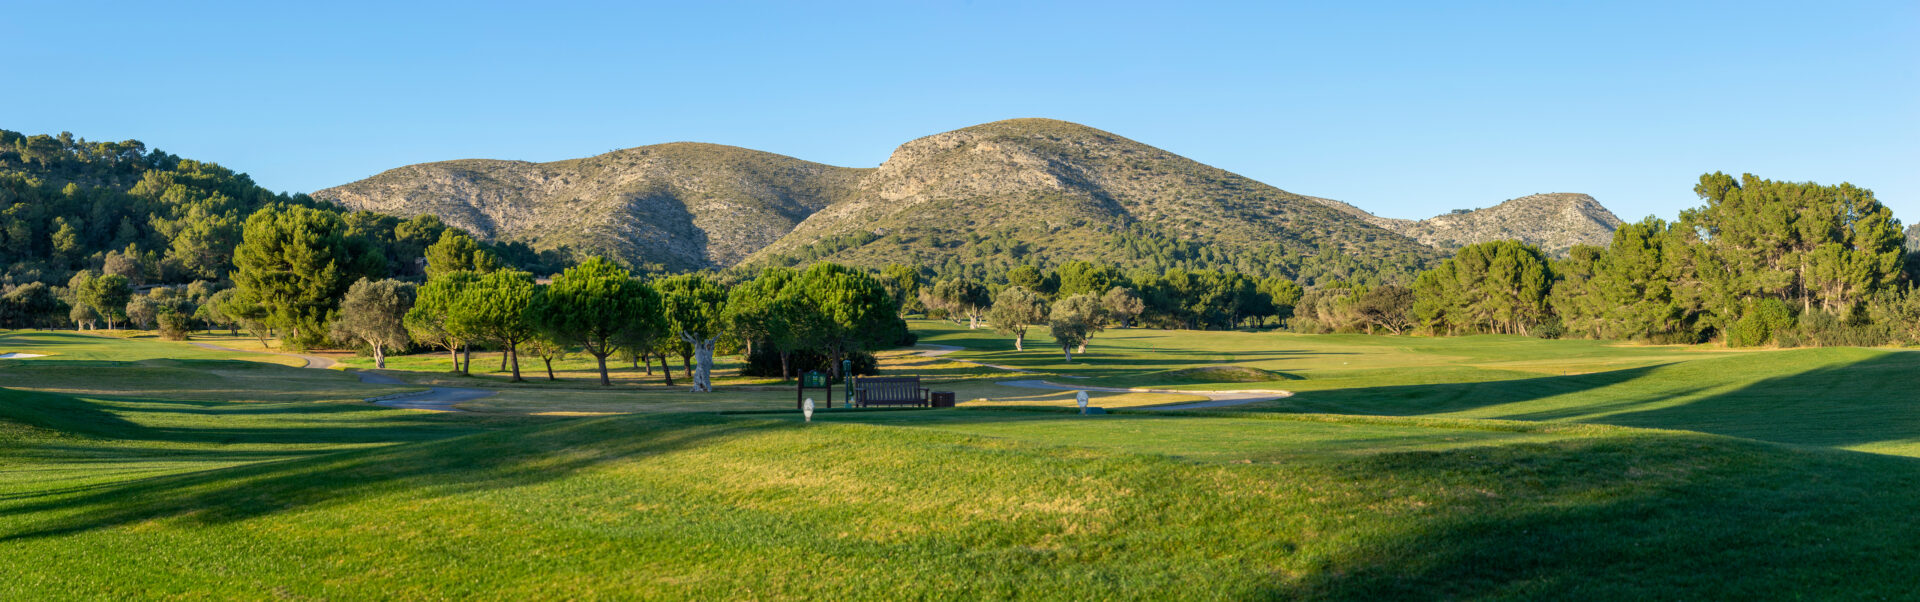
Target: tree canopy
[[593, 303], [373, 313]]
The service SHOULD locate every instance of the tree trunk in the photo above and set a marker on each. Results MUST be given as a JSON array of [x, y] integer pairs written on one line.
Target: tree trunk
[[466, 368], [703, 377], [666, 370], [686, 361], [646, 359], [602, 358], [549, 361], [785, 371], [453, 353], [1082, 348], [1020, 340], [513, 347], [379, 357], [1068, 351], [503, 360]]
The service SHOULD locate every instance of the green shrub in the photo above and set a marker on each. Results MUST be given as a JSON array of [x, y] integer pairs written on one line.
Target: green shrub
[[1825, 329], [174, 325], [1759, 322]]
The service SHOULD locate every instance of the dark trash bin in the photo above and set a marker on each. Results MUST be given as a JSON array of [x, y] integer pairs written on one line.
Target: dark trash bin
[[942, 399]]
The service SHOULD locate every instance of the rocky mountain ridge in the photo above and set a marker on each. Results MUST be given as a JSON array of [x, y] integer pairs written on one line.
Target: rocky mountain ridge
[[1555, 222], [985, 197]]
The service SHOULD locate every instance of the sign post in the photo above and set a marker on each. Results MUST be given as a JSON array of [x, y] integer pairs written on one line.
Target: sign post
[[811, 380], [846, 384]]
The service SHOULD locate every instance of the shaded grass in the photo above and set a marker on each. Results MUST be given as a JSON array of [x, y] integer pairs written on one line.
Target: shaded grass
[[969, 504], [279, 487]]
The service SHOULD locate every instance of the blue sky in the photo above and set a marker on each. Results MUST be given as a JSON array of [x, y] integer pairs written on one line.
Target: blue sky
[[1408, 109]]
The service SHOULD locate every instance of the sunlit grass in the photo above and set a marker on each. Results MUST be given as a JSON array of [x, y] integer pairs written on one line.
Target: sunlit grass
[[140, 469]]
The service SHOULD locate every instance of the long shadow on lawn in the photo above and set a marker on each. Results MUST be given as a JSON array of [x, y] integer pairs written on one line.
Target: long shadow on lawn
[[1872, 400], [1637, 517], [1414, 400], [1868, 396], [446, 467], [348, 422]]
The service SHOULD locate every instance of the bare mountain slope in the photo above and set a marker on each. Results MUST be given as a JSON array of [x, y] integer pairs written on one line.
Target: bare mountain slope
[[1554, 222], [680, 205], [1027, 189]]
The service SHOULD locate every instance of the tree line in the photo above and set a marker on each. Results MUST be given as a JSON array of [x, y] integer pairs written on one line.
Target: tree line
[[1762, 262], [69, 205]]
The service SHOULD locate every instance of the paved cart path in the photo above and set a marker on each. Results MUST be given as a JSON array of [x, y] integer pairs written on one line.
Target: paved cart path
[[438, 399]]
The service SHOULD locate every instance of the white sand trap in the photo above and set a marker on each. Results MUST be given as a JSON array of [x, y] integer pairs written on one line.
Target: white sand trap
[[15, 356]]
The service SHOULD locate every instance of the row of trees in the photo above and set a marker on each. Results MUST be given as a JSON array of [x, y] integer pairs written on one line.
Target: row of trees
[[1762, 262], [1072, 320], [1175, 298], [68, 204], [602, 309]]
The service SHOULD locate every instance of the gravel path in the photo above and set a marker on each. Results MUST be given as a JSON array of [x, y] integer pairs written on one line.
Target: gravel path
[[313, 361], [438, 399], [1215, 399]]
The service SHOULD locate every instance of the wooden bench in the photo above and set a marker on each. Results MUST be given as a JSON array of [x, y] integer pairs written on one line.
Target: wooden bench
[[889, 391]]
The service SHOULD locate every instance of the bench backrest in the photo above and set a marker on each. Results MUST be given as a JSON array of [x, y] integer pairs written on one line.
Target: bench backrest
[[891, 387]]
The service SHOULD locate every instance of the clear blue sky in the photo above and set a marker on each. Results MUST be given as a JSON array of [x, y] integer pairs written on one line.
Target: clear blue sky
[[1406, 108]]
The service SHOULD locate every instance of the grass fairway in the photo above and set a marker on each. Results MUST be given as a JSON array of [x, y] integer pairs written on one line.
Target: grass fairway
[[156, 477], [1850, 398]]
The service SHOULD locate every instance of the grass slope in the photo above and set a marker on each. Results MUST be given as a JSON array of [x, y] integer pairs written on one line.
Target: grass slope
[[1862, 399], [289, 490]]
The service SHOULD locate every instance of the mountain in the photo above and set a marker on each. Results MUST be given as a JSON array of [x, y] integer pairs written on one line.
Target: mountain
[[1554, 222], [681, 205], [1047, 191], [978, 199]]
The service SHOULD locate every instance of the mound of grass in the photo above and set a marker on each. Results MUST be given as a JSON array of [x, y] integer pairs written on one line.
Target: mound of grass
[[976, 504], [213, 493], [1215, 374]]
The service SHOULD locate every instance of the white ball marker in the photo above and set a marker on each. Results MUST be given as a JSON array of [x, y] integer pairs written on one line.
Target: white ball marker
[[1081, 398], [807, 409]]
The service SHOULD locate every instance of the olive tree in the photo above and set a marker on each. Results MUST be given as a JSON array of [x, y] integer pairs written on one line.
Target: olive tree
[[1015, 309], [374, 313], [1123, 305], [695, 308], [1069, 330], [1090, 310]]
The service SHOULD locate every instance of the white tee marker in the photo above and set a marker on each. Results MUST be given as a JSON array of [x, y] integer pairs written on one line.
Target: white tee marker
[[807, 409], [1081, 398]]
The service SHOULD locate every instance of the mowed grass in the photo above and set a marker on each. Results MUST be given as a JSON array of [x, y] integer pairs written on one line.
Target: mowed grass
[[1850, 398], [285, 487]]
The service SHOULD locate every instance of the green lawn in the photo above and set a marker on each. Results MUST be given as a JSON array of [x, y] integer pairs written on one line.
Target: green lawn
[[138, 468], [1851, 398]]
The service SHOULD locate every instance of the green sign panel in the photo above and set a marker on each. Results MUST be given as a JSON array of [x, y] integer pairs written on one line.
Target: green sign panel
[[813, 380]]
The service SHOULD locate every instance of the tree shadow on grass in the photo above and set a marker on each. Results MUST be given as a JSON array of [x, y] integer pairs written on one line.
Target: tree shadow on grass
[[1414, 400], [445, 467], [1870, 400], [318, 423], [1635, 517]]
